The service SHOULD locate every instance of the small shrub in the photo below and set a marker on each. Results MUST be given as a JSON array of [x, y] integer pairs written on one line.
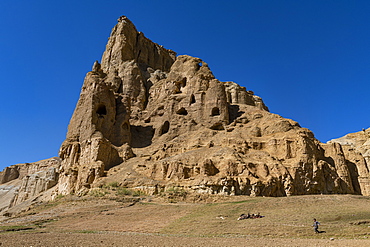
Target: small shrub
[[129, 192], [87, 231], [113, 185], [174, 194], [138, 193], [123, 192], [176, 191], [98, 193]]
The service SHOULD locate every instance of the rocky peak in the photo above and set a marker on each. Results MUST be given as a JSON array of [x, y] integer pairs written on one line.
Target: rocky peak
[[151, 120], [164, 120], [127, 44]]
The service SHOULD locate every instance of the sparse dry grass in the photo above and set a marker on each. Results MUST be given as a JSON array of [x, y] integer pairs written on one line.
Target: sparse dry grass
[[287, 221], [284, 217]]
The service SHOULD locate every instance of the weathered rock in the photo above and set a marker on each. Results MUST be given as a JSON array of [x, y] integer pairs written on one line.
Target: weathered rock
[[8, 192], [189, 130], [24, 182], [99, 133], [355, 146], [151, 120]]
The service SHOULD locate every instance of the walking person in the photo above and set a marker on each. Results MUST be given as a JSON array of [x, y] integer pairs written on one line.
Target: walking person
[[316, 225]]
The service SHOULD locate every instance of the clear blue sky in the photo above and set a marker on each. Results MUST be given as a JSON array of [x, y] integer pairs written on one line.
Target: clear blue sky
[[308, 60]]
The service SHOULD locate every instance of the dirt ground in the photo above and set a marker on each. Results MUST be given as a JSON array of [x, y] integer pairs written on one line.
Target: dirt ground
[[135, 239], [152, 222]]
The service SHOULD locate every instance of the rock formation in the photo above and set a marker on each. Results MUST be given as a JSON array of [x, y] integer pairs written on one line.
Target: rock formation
[[22, 182], [151, 120], [354, 144]]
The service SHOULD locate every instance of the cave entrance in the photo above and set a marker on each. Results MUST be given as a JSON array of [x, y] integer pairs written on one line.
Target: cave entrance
[[165, 128], [192, 99], [101, 111], [215, 111]]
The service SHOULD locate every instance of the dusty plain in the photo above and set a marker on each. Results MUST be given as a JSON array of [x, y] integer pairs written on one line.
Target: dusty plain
[[106, 218]]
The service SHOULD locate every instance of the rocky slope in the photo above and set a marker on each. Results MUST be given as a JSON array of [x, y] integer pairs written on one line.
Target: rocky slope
[[151, 120]]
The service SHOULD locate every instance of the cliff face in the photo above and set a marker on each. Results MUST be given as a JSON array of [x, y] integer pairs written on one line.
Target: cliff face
[[355, 144], [149, 119], [99, 134], [22, 182]]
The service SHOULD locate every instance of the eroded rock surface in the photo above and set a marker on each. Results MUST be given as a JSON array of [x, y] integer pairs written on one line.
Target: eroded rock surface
[[149, 119], [355, 144], [22, 182]]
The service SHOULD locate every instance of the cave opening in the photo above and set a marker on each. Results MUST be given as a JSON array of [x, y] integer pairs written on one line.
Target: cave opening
[[165, 127], [215, 111], [182, 111], [101, 111], [192, 99]]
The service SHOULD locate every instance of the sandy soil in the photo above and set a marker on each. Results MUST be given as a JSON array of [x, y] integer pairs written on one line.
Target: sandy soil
[[106, 222], [137, 239]]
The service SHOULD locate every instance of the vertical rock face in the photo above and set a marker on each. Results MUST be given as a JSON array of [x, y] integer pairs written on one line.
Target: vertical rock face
[[149, 119], [22, 182], [355, 146], [99, 134]]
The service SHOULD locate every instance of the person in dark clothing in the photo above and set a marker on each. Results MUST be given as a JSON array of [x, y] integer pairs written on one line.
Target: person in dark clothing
[[316, 225]]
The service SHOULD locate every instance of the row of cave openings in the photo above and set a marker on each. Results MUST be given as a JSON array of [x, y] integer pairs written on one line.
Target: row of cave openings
[[182, 111], [214, 112], [102, 111]]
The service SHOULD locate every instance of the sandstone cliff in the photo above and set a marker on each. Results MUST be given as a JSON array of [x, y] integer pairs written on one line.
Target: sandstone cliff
[[26, 182], [149, 119], [354, 144]]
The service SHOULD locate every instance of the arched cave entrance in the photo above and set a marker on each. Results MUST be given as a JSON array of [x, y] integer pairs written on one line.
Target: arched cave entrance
[[101, 111], [215, 111], [165, 128]]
